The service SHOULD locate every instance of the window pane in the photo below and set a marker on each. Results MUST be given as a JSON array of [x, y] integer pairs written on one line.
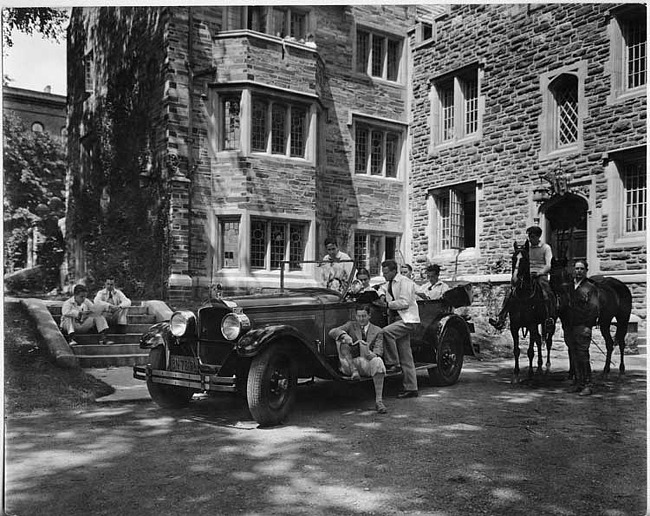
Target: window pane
[[278, 243], [297, 239], [279, 22], [456, 220], [258, 133], [447, 112], [298, 118], [231, 123], [278, 129], [393, 60], [443, 222], [376, 153], [470, 94], [258, 243], [298, 25], [363, 51], [360, 249], [635, 185], [392, 154], [635, 52], [257, 19], [375, 255], [229, 243], [391, 246], [377, 55], [469, 219], [360, 149], [566, 97]]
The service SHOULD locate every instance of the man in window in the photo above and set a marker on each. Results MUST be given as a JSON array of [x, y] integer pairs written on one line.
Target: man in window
[[540, 256], [434, 288], [336, 267]]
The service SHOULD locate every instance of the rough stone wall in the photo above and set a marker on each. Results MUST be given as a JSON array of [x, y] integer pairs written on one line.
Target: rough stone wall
[[515, 45], [327, 189]]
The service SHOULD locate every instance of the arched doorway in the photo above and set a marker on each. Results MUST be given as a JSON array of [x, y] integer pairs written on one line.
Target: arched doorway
[[567, 219]]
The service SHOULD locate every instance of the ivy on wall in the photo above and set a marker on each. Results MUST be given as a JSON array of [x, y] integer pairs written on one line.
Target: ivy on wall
[[118, 205]]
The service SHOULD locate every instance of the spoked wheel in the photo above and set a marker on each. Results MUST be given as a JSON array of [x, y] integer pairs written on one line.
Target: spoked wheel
[[449, 358], [167, 396], [272, 385]]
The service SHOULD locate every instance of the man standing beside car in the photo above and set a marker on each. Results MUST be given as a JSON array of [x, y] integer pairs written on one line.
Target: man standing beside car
[[398, 295]]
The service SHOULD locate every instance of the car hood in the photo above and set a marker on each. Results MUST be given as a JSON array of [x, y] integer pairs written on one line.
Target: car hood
[[288, 297]]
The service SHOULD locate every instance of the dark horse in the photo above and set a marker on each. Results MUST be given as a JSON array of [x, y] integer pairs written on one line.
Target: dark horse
[[527, 310], [614, 302]]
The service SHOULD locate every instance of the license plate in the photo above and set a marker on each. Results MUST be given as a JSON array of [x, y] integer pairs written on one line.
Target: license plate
[[183, 364]]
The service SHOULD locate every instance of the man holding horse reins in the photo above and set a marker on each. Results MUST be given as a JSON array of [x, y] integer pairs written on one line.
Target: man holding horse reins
[[577, 333], [540, 256]]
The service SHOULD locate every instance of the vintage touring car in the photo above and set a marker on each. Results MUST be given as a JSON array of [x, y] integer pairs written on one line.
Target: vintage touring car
[[261, 345]]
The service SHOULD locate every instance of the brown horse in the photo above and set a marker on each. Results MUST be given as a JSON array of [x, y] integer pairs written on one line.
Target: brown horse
[[614, 302], [528, 311]]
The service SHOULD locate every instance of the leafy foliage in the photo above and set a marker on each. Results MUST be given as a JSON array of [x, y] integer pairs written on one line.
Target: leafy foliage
[[34, 179], [48, 21]]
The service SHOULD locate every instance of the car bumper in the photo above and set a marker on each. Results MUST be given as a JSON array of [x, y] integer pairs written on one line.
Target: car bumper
[[200, 381]]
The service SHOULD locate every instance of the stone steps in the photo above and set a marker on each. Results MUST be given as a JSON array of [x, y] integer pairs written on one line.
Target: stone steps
[[125, 348]]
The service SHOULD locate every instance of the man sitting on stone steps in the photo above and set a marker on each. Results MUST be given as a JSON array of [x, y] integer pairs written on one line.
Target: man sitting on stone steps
[[80, 315], [114, 303]]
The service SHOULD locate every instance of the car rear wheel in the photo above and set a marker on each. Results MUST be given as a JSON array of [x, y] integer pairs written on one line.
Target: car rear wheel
[[449, 358], [272, 385], [167, 396]]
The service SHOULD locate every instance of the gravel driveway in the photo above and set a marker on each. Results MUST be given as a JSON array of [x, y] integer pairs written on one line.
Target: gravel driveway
[[481, 446]]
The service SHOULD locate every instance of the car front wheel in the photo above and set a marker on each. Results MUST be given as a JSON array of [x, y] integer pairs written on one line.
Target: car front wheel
[[272, 383], [167, 396], [449, 358]]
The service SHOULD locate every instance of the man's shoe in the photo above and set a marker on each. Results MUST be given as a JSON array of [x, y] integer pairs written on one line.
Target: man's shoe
[[586, 391], [72, 343], [393, 369], [380, 407], [408, 394], [497, 323]]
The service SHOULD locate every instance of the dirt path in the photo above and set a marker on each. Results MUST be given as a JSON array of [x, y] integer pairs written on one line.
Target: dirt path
[[479, 447]]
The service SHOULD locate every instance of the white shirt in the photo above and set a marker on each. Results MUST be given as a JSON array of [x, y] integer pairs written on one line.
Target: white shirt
[[336, 275], [403, 299], [433, 291]]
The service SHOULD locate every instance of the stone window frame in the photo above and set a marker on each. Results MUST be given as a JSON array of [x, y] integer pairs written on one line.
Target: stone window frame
[[364, 65], [617, 65], [245, 220], [455, 82], [261, 19], [385, 127], [247, 93], [437, 227], [365, 248], [614, 205], [549, 117]]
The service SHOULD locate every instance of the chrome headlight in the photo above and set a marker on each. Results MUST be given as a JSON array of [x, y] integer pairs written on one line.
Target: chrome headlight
[[181, 321], [234, 324]]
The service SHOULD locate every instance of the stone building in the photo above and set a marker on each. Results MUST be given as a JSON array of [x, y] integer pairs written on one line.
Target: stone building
[[40, 111], [240, 136], [531, 114]]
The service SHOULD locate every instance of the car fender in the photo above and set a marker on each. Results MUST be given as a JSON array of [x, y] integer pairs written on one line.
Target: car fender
[[257, 340], [455, 321], [158, 335]]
